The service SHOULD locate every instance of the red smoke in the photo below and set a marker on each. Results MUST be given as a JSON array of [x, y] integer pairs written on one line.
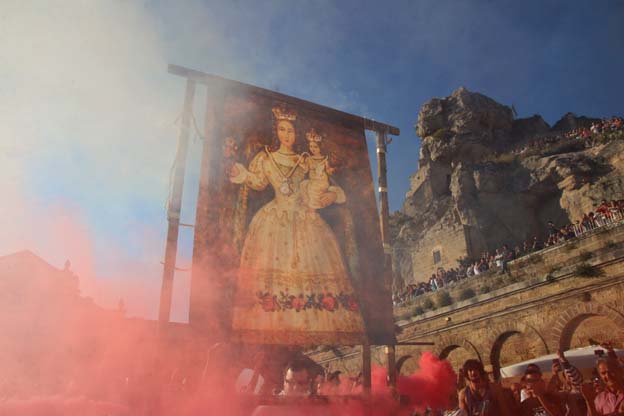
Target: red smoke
[[62, 354], [429, 387], [432, 385], [60, 406]]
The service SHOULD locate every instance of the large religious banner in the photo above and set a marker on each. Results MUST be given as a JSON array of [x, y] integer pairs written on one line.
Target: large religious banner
[[287, 239]]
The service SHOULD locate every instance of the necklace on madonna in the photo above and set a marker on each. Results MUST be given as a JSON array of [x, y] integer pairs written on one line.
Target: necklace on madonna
[[286, 185]]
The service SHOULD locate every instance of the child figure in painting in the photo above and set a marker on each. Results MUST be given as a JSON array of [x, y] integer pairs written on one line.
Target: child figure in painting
[[319, 171]]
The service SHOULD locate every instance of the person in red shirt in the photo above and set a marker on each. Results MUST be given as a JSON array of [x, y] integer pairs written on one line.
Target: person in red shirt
[[604, 210]]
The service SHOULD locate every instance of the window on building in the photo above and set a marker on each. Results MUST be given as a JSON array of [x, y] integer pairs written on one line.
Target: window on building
[[436, 256]]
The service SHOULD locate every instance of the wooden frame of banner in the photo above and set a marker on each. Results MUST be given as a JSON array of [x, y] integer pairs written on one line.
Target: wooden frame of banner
[[382, 131]]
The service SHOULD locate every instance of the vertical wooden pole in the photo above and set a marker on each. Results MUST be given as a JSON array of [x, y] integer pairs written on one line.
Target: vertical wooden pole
[[174, 207], [384, 211], [383, 190], [391, 359], [384, 218]]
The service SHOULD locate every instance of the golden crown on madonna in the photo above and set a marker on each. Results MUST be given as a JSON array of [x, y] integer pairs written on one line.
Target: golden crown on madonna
[[283, 113]]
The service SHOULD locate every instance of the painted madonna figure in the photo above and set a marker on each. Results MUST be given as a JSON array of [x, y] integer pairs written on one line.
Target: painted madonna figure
[[293, 286]]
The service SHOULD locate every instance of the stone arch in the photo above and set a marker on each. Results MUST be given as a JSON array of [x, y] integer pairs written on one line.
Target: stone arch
[[496, 349], [444, 352], [453, 343], [566, 324], [497, 342]]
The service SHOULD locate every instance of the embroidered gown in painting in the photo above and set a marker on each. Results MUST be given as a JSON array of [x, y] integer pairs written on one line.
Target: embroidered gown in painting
[[293, 286]]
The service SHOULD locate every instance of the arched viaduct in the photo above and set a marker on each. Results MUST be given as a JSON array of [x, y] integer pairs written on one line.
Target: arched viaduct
[[550, 306]]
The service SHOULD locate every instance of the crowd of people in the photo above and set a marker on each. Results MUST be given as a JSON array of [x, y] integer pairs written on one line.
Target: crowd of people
[[566, 393], [606, 213], [607, 125], [587, 134]]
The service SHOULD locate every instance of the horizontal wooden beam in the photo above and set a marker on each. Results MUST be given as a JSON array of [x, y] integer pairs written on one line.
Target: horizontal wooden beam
[[214, 80]]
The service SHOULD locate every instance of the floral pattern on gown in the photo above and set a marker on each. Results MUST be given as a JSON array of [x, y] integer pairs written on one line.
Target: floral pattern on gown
[[293, 286]]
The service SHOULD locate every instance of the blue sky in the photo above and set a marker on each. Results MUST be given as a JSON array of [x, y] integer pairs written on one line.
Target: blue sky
[[88, 131], [384, 60]]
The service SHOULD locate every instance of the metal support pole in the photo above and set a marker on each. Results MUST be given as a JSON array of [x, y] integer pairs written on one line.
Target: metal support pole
[[174, 207]]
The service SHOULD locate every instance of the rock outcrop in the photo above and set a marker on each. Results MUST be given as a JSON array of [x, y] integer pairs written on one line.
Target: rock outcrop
[[475, 190]]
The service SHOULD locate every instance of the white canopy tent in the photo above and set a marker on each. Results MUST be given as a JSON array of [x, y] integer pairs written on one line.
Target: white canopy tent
[[582, 358]]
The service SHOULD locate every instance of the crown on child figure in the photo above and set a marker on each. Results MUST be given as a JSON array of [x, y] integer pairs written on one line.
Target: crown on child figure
[[313, 136], [282, 113]]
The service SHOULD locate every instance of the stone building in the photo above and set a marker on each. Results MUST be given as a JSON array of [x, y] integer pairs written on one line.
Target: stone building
[[53, 338]]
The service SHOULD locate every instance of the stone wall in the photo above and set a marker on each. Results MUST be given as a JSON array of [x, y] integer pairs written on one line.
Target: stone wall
[[558, 298], [448, 241]]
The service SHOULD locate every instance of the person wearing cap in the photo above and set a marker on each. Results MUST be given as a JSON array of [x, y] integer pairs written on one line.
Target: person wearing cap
[[540, 402], [524, 394]]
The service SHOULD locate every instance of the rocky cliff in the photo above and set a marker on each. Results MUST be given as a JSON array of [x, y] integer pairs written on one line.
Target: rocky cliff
[[496, 180]]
